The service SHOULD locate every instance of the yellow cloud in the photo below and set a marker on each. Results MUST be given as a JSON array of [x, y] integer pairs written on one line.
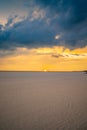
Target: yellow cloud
[[55, 58]]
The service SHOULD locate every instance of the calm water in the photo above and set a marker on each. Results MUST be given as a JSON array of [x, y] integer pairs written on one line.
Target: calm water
[[43, 101]]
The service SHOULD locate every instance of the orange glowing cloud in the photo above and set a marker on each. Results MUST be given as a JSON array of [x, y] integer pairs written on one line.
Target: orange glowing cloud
[[48, 58]]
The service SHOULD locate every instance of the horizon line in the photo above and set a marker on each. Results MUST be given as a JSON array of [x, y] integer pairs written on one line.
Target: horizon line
[[41, 71]]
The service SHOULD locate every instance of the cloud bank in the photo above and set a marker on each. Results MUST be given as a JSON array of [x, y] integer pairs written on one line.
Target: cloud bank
[[48, 23]]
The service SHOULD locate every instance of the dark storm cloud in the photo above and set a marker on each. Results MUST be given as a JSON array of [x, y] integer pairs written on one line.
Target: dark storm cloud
[[57, 55], [66, 18], [74, 11], [26, 33], [68, 55], [70, 19], [10, 20]]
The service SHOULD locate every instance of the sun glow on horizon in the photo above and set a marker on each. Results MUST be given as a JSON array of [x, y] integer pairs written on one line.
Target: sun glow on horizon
[[45, 70], [55, 58]]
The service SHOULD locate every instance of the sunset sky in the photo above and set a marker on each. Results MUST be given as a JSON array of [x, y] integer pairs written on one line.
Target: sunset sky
[[39, 35]]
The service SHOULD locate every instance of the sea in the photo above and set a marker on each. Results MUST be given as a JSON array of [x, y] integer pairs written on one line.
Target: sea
[[43, 101]]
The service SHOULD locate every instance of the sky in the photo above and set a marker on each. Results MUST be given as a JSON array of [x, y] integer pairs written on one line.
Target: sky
[[40, 35]]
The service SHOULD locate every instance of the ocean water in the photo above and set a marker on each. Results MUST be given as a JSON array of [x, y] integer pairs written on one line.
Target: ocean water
[[43, 101]]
